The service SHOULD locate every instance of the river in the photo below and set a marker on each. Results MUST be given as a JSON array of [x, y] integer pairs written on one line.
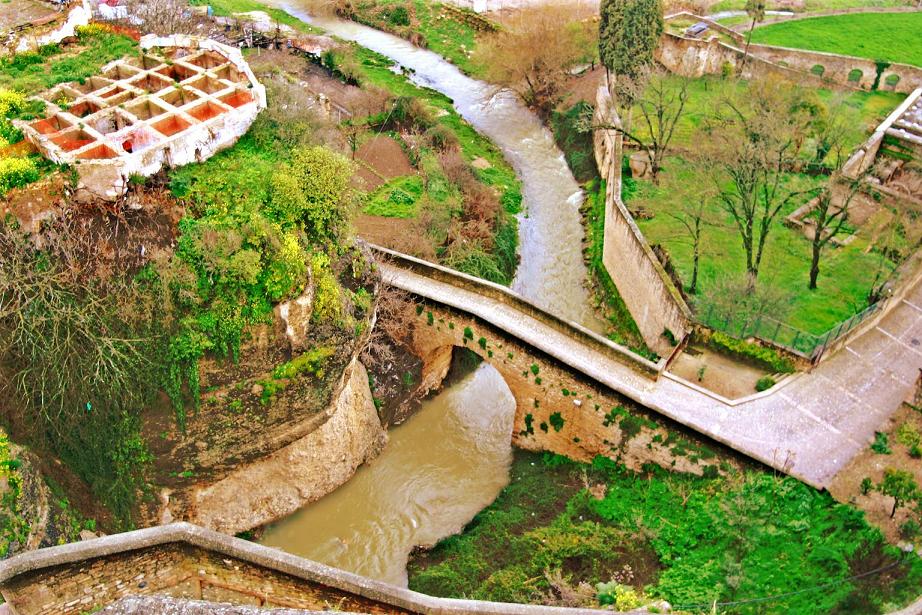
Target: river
[[452, 457]]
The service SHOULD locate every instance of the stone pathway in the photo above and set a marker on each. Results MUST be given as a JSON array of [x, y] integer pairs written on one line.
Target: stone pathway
[[809, 426]]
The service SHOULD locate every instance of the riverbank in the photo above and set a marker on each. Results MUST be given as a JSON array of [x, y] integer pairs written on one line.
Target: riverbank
[[561, 528]]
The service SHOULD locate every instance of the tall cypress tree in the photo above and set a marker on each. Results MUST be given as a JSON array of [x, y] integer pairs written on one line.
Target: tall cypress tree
[[629, 31]]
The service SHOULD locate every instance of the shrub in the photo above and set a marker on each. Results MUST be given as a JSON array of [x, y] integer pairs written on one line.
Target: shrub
[[399, 16], [622, 597], [908, 435], [11, 102], [764, 383], [881, 444], [327, 301], [866, 485], [16, 172], [765, 357], [441, 137], [313, 193]]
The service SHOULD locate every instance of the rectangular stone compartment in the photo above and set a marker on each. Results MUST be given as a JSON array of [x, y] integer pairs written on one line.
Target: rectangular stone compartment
[[151, 83], [73, 139], [145, 62], [139, 139], [100, 152], [50, 125], [179, 97], [145, 109], [177, 72], [92, 84], [237, 99], [206, 84], [110, 122], [121, 71], [206, 111], [207, 59], [84, 108], [230, 73], [171, 125]]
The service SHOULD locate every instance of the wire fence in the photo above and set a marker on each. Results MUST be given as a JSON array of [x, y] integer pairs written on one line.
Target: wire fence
[[808, 345]]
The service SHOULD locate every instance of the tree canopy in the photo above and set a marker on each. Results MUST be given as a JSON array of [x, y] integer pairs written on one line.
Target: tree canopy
[[629, 31]]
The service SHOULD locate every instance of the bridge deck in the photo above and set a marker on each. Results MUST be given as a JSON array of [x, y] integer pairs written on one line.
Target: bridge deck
[[810, 427]]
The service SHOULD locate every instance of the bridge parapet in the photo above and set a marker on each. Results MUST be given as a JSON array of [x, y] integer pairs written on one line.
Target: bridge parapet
[[189, 562], [514, 300]]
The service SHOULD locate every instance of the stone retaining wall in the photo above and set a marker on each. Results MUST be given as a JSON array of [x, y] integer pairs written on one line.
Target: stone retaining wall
[[653, 300], [696, 57], [186, 561]]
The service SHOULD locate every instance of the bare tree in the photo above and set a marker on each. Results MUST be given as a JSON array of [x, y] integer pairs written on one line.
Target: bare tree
[[829, 217], [660, 99], [165, 16], [693, 218], [755, 9], [751, 148], [533, 56]]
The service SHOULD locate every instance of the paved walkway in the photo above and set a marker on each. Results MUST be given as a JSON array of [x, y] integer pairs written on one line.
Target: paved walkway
[[809, 427]]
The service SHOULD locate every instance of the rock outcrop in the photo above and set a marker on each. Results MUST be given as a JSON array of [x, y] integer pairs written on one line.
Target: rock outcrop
[[302, 472]]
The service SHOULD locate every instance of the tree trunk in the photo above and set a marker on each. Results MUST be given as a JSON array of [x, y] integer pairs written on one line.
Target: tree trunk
[[752, 26], [896, 503], [814, 265], [694, 281]]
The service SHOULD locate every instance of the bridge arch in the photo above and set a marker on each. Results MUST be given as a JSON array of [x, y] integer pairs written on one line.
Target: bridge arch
[[556, 409]]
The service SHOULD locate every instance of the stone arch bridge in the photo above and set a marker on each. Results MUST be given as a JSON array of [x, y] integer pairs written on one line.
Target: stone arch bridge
[[580, 394]]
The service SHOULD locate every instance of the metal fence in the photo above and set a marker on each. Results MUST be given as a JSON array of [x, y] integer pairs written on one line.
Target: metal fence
[[803, 343]]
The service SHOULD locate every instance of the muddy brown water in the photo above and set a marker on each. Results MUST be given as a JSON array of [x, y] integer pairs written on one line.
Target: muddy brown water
[[441, 467], [452, 457]]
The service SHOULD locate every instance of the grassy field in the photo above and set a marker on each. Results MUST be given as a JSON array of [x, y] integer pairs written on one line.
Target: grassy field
[[705, 93], [426, 24], [812, 5], [846, 272], [891, 37], [687, 539]]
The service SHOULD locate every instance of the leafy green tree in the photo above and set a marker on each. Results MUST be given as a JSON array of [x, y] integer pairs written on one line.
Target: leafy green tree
[[899, 485], [312, 192], [629, 31]]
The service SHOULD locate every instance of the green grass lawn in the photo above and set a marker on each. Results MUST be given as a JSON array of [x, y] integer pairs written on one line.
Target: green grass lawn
[[686, 539], [34, 71], [398, 198], [893, 37], [846, 273], [810, 5], [705, 93]]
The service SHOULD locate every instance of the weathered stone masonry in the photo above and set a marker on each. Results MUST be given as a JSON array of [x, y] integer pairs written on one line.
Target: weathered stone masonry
[[652, 298], [186, 561]]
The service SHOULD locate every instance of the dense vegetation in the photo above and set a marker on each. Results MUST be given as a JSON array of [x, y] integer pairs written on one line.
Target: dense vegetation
[[466, 214], [427, 24], [86, 348], [560, 528], [889, 37]]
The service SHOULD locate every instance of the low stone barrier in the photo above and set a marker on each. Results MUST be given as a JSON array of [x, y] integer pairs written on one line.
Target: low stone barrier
[[188, 562], [696, 57], [649, 293]]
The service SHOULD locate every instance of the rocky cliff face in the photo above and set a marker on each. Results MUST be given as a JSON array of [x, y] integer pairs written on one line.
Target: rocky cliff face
[[279, 484]]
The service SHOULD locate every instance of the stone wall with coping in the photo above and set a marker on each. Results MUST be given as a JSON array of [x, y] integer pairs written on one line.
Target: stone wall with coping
[[186, 561], [696, 57], [655, 303]]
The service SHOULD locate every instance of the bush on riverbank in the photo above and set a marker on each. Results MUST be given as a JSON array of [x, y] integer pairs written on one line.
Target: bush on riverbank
[[689, 540]]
